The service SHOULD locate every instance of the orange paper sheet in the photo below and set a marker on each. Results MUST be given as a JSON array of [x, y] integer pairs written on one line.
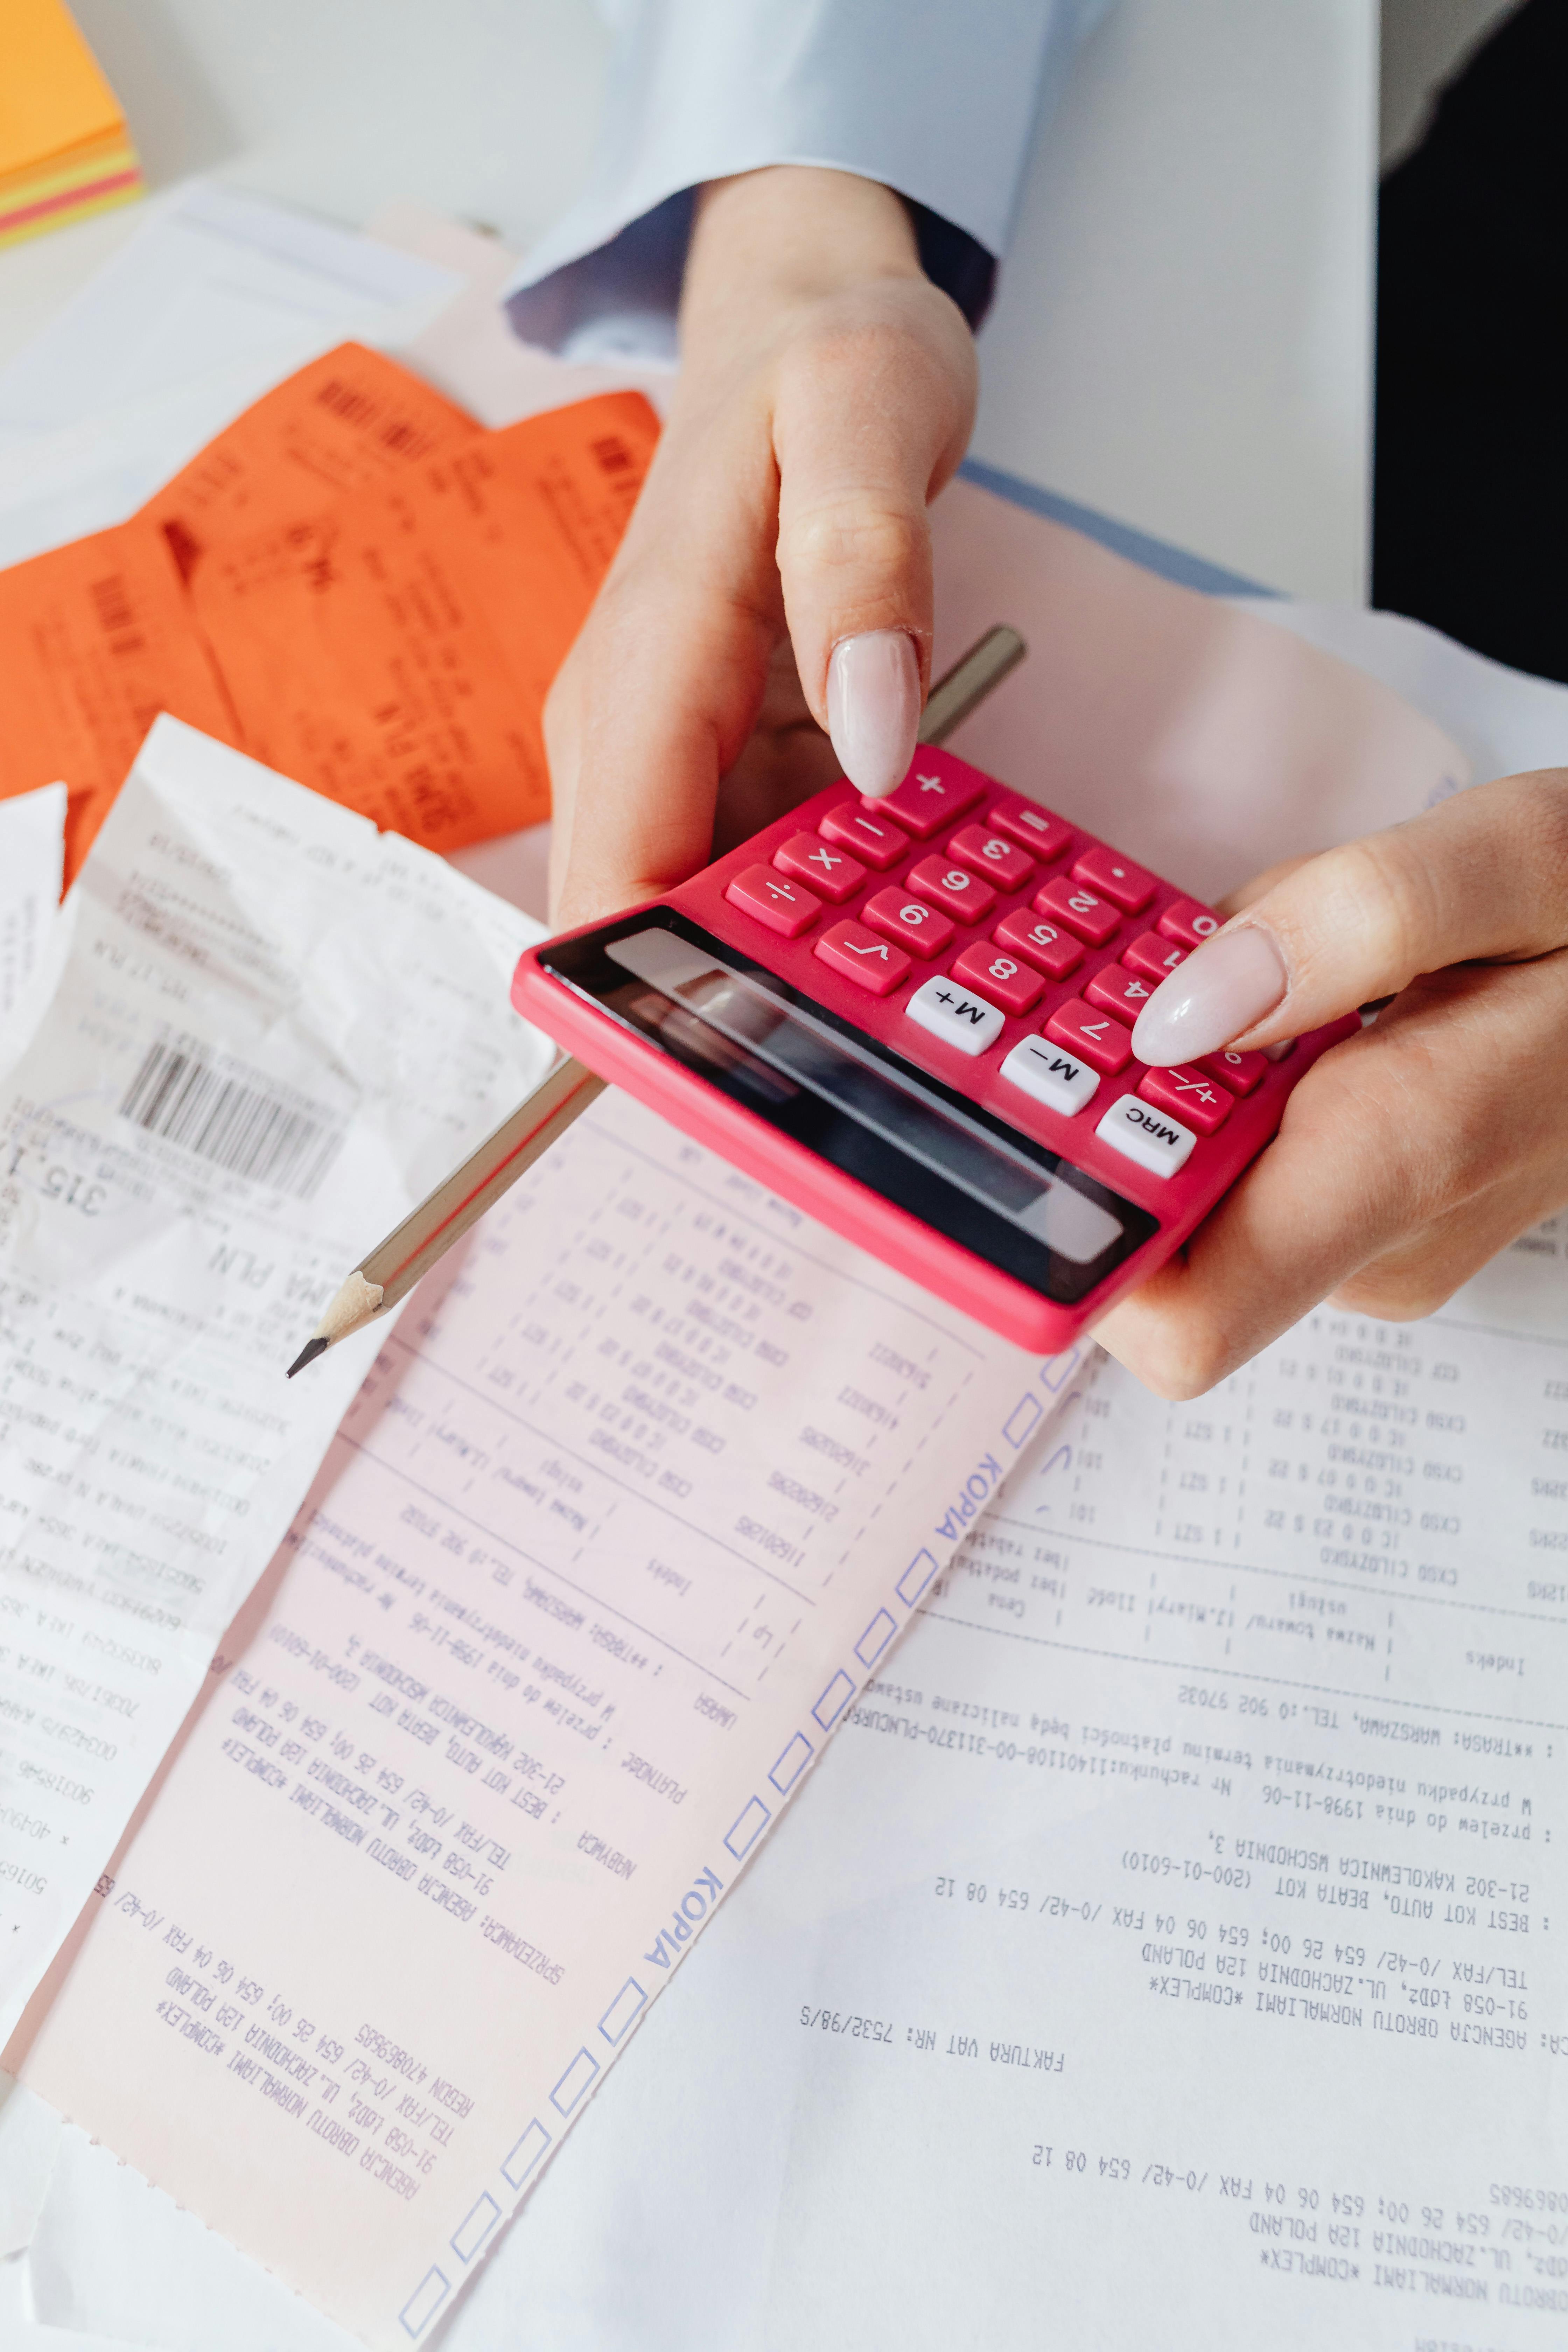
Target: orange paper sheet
[[395, 652], [353, 582], [352, 418]]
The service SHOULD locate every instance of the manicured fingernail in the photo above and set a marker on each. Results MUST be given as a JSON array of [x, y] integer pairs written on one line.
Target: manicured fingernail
[[874, 708], [1225, 986]]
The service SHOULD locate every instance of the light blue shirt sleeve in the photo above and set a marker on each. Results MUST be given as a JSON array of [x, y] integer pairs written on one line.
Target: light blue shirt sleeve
[[937, 99]]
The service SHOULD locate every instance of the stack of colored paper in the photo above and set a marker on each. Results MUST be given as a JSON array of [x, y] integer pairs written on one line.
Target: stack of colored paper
[[64, 148]]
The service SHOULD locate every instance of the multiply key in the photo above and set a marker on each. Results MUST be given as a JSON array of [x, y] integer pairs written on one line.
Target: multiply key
[[832, 873], [1191, 1094]]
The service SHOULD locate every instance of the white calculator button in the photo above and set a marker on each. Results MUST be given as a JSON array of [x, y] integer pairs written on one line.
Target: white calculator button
[[1149, 1136], [1048, 1074], [956, 1016]]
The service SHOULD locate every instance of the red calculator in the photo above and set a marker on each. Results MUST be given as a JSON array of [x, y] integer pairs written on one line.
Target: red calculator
[[913, 1017]]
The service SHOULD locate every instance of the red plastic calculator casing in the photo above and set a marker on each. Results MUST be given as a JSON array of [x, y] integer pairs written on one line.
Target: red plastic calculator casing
[[946, 815]]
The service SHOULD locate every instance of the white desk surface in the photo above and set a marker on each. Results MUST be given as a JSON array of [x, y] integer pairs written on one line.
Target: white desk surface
[[1183, 337]]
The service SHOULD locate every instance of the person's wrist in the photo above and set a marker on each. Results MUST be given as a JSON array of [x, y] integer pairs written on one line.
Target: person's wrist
[[769, 246]]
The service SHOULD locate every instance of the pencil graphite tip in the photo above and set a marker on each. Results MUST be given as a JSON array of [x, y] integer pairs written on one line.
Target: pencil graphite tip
[[307, 1354]]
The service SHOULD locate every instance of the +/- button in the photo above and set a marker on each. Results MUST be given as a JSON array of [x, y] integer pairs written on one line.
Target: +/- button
[[772, 898], [1191, 1093]]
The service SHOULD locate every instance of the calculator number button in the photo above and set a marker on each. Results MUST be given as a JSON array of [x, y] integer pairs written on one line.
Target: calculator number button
[[1191, 1093], [1153, 957], [1150, 1138], [924, 930], [1050, 1074], [962, 896], [832, 873], [986, 853], [873, 965], [1240, 1072], [1185, 920], [1098, 1036], [871, 839], [1126, 885], [772, 898], [1056, 951], [1117, 990], [1006, 980], [1083, 911], [1034, 829], [955, 1015], [925, 801]]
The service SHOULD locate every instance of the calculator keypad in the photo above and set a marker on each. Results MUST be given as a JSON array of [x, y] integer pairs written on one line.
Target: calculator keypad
[[995, 944]]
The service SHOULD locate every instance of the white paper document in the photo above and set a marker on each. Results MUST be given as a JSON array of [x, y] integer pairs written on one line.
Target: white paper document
[[603, 1553], [32, 862], [270, 1030]]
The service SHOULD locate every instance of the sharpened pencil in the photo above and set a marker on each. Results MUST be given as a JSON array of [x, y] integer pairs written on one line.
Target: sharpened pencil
[[391, 1270]]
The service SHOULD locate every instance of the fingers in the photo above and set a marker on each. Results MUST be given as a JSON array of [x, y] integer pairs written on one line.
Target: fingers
[[1407, 1156], [1484, 874], [658, 696], [873, 411]]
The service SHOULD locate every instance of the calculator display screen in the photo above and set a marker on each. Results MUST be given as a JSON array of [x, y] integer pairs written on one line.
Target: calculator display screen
[[859, 1107]]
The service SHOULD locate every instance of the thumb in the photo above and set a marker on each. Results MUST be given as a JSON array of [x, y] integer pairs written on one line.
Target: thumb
[[1485, 876], [871, 416]]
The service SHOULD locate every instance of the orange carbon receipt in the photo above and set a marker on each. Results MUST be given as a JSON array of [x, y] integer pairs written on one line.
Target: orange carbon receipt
[[350, 417], [395, 652], [354, 581]]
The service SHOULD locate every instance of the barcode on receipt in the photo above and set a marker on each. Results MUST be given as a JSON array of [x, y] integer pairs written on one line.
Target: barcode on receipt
[[237, 1118]]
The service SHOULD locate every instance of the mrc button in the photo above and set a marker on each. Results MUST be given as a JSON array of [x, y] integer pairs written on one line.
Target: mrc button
[[1146, 1135]]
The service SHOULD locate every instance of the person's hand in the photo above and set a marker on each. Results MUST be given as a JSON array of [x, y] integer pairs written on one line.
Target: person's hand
[[1411, 1152], [775, 576]]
